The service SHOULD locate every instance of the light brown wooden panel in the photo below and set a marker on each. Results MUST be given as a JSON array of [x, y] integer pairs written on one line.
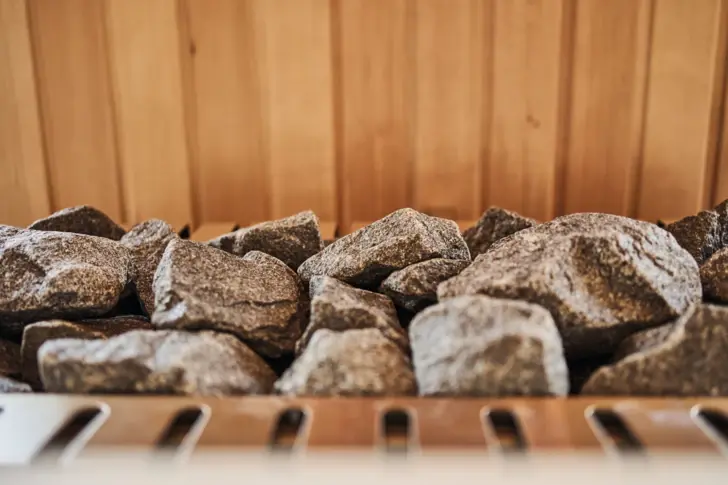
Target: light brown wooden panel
[[294, 55], [231, 172], [683, 99], [525, 131], [607, 102], [23, 185], [145, 61], [452, 50], [721, 172], [375, 75], [75, 97]]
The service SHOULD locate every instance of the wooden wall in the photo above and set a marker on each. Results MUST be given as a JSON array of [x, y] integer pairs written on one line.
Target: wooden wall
[[203, 110]]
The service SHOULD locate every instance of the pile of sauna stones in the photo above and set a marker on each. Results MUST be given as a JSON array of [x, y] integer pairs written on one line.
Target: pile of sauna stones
[[408, 305]]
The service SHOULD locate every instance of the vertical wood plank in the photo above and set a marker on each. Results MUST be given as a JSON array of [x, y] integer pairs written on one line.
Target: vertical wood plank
[[452, 48], [375, 77], [721, 170], [683, 99], [23, 184], [294, 39], [231, 173], [607, 103], [75, 104], [145, 62]]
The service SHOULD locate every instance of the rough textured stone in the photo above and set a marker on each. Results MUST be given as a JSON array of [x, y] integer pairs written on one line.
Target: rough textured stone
[[691, 361], [494, 225], [292, 240], [81, 219], [9, 359], [8, 385], [340, 307], [160, 362], [351, 363], [415, 287], [199, 287], [641, 341], [714, 277], [367, 256], [147, 242], [480, 346], [36, 334], [602, 277], [58, 275], [700, 234]]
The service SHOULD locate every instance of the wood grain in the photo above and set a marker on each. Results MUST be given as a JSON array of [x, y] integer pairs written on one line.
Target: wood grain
[[686, 74], [231, 172], [23, 184], [452, 48], [525, 127], [145, 59], [721, 170], [76, 105], [606, 106], [293, 40], [375, 77]]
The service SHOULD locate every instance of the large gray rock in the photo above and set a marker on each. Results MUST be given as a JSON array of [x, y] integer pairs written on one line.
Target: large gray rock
[[351, 363], [642, 341], [159, 362], [58, 275], [494, 225], [714, 277], [340, 307], [480, 346], [199, 287], [8, 385], [415, 287], [691, 361], [292, 240], [81, 219], [36, 334], [9, 359], [365, 257], [147, 242], [602, 277]]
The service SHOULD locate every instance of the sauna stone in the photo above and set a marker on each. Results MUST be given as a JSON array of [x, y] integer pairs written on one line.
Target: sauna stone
[[9, 359], [339, 307], [292, 240], [714, 277], [367, 256], [351, 363], [481, 346], [494, 225], [147, 242], [49, 275], [691, 361], [602, 277], [8, 385], [159, 362], [642, 341], [36, 334], [415, 287], [199, 287], [81, 219], [700, 234]]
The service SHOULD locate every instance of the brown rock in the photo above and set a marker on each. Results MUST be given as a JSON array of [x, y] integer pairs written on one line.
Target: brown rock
[[366, 257], [8, 385], [714, 277], [700, 235], [81, 219], [602, 277], [494, 225], [159, 362], [642, 341], [9, 359], [691, 361], [415, 287], [339, 307], [199, 287], [351, 363], [58, 275], [147, 242], [292, 240], [36, 334], [480, 346]]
